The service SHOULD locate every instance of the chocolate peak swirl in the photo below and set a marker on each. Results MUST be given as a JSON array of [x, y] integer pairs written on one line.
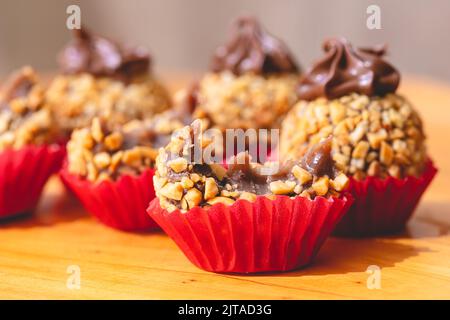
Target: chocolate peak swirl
[[102, 57], [252, 49], [18, 85], [318, 159], [345, 70]]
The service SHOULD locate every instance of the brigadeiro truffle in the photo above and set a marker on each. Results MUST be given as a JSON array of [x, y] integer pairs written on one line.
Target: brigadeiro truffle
[[29, 149], [248, 217], [378, 138], [110, 168], [103, 78], [251, 82]]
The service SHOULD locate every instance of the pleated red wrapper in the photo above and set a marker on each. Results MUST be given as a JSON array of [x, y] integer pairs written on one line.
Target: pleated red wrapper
[[119, 204], [383, 206], [249, 237], [23, 174]]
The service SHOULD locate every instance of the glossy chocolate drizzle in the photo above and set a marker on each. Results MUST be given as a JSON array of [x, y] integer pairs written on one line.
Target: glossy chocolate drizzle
[[102, 57], [251, 49], [345, 70], [318, 161]]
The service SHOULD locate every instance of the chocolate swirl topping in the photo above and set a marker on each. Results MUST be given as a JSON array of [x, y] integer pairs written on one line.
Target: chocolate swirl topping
[[252, 49], [18, 85], [318, 159], [346, 70], [102, 57]]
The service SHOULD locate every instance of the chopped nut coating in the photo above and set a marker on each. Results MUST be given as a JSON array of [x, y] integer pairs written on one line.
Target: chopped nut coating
[[384, 130]]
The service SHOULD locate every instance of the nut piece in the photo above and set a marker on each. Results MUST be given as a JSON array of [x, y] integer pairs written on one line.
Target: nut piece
[[115, 160], [301, 174], [361, 150], [305, 194], [224, 200], [280, 187], [178, 165], [229, 194], [132, 157], [320, 186], [394, 171], [148, 152], [375, 139], [186, 183], [172, 191], [386, 153], [211, 189], [96, 128], [113, 141], [195, 177], [176, 145], [102, 160], [92, 171], [340, 182], [337, 112], [159, 182], [218, 170], [359, 132], [374, 169], [193, 197], [249, 196]]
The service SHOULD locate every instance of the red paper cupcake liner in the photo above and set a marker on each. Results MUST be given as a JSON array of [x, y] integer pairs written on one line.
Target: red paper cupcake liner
[[383, 206], [247, 237], [118, 204], [23, 174]]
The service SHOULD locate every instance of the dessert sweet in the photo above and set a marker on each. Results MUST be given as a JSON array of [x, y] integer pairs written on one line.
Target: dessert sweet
[[251, 82], [248, 217], [29, 149], [182, 185], [103, 78], [377, 135], [110, 168]]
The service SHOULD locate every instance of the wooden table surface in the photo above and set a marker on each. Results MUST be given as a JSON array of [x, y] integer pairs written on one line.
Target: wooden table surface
[[36, 252]]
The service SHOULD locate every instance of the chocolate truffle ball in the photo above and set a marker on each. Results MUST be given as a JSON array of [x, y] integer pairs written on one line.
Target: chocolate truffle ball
[[251, 82], [103, 78], [350, 95], [25, 118], [182, 183], [105, 150]]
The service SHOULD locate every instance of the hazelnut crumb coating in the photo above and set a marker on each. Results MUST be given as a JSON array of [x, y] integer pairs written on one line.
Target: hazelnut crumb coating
[[183, 184], [76, 99], [245, 101], [24, 115], [372, 136], [106, 151]]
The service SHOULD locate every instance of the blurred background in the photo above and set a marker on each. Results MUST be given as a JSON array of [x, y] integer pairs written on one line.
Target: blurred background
[[181, 34]]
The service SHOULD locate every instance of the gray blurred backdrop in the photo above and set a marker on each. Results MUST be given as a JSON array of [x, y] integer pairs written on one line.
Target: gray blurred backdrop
[[181, 34]]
